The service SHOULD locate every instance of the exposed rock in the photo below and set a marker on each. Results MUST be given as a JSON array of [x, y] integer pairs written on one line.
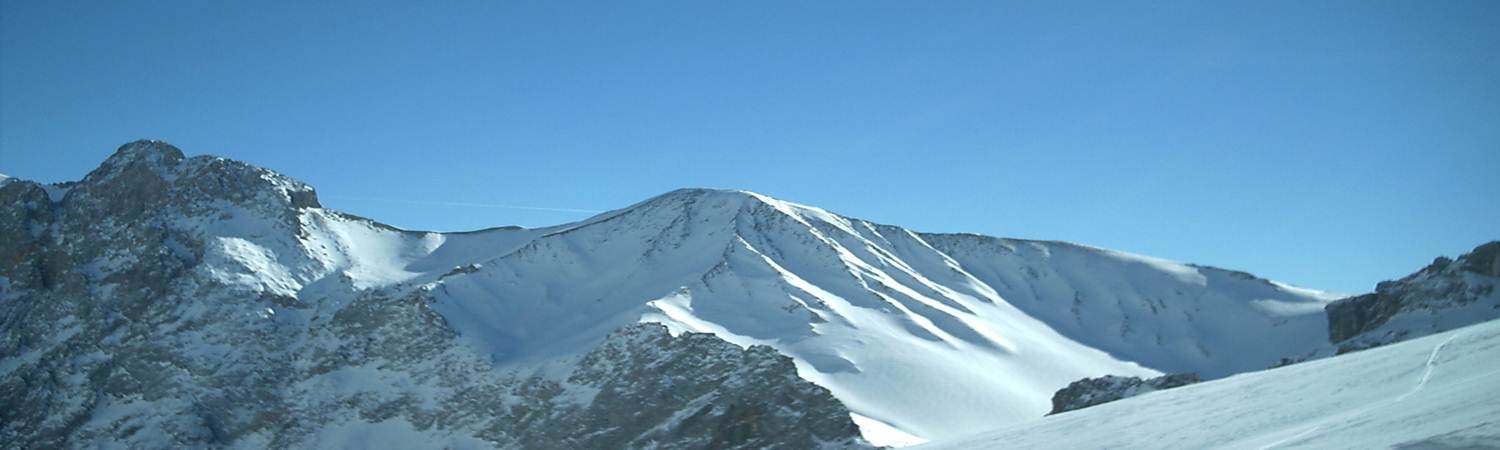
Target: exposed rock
[[1484, 260], [1446, 294], [694, 391], [1094, 391]]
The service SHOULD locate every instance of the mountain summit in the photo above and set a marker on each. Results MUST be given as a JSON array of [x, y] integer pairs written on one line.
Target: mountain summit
[[922, 335]]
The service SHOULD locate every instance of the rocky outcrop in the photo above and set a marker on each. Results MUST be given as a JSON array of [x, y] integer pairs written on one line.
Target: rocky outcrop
[[137, 310], [1446, 294], [106, 308], [653, 390], [1094, 391], [1354, 315], [1484, 260]]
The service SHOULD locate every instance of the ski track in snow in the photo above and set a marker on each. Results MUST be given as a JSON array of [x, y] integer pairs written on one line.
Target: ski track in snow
[[1426, 375], [1431, 364]]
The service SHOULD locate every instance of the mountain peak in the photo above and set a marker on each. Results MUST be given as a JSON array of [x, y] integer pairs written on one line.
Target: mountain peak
[[144, 148], [148, 156], [694, 195], [148, 175], [696, 201], [702, 192], [1484, 259], [147, 151]]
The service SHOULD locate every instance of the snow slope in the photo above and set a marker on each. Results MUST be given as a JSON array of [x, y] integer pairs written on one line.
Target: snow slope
[[1438, 391], [1166, 315], [922, 336]]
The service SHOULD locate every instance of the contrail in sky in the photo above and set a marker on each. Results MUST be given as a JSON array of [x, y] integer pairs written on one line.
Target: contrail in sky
[[464, 204]]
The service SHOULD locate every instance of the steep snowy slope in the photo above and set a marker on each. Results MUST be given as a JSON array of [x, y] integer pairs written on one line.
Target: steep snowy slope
[[1434, 392], [1165, 315], [919, 343]]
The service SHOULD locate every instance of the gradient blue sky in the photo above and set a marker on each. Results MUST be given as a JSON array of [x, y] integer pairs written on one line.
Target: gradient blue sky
[[1327, 144]]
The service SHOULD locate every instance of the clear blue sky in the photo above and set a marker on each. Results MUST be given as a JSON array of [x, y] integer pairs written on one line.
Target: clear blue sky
[[1327, 144]]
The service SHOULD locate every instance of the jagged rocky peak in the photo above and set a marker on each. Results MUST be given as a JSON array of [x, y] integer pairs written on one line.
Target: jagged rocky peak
[[1484, 260], [151, 174], [1446, 294], [144, 155], [150, 207], [140, 220]]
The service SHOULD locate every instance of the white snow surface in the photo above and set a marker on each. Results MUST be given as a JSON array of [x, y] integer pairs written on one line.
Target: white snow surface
[[921, 336], [1438, 391]]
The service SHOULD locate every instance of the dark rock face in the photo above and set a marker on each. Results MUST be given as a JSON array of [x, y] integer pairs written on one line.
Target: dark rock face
[[1095, 391], [1354, 315], [1484, 260], [1446, 294], [694, 391], [98, 276], [126, 319]]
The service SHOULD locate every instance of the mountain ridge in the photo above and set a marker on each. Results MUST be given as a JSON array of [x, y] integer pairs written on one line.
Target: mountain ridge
[[920, 335], [855, 258]]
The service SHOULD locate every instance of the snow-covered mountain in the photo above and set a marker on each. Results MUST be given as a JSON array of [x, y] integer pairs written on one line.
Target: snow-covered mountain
[[1436, 392], [171, 302], [154, 299], [921, 335]]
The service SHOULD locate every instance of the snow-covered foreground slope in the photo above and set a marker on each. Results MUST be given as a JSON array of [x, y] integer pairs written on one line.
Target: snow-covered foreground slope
[[1439, 391], [921, 336]]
